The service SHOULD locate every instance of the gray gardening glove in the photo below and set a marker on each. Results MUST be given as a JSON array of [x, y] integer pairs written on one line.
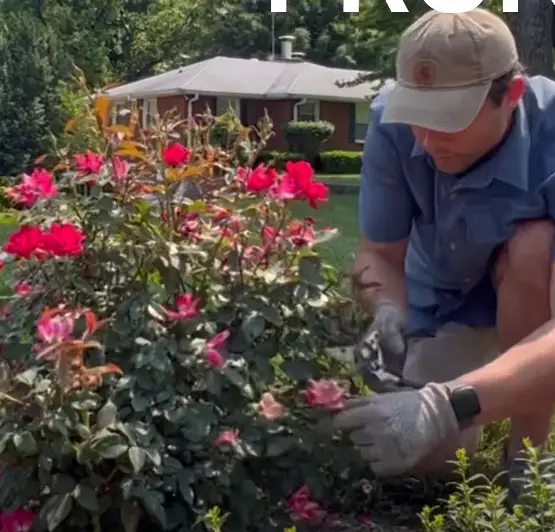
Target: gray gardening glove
[[389, 324], [394, 431]]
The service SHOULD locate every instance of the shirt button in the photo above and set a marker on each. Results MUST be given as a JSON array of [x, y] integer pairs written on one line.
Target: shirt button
[[466, 280], [453, 246]]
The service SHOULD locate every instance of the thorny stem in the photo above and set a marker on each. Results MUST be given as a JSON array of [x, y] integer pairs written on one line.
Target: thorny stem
[[281, 224], [210, 260]]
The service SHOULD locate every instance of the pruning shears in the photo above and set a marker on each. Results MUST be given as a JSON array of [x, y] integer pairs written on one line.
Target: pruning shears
[[376, 366]]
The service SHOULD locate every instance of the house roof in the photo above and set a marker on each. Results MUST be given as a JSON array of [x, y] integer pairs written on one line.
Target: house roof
[[249, 78]]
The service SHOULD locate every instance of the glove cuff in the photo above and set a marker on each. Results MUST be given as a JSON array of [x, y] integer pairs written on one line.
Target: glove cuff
[[438, 398], [386, 303]]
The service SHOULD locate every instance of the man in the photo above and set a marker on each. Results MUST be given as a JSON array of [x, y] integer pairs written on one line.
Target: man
[[457, 204]]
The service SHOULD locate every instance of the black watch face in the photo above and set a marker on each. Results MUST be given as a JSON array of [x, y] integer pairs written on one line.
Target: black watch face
[[465, 403]]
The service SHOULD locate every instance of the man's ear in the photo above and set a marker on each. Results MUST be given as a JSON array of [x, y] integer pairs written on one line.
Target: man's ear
[[515, 90]]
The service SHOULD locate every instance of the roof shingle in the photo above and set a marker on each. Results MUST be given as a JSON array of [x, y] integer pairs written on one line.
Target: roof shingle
[[249, 78]]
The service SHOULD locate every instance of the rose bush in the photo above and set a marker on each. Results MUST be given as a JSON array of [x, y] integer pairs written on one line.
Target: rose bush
[[164, 360]]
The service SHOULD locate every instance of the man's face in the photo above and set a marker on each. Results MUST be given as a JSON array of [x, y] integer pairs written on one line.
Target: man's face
[[454, 152]]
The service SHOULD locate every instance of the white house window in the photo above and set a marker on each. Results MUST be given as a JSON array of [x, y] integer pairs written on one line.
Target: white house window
[[308, 111], [150, 110], [224, 105], [362, 119]]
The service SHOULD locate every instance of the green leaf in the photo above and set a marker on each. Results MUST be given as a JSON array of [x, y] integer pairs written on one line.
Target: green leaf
[[25, 443], [62, 484], [130, 514], [86, 497], [82, 285], [107, 415], [156, 312], [56, 510], [253, 326], [310, 270], [108, 444], [238, 380], [137, 457], [186, 479], [154, 505], [280, 445], [324, 235], [171, 465], [27, 377], [298, 370], [272, 314], [113, 451], [139, 402]]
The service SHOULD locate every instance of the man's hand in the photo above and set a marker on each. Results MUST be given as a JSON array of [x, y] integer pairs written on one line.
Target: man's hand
[[394, 431]]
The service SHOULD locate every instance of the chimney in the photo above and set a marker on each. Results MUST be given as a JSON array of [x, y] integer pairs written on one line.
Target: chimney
[[287, 46]]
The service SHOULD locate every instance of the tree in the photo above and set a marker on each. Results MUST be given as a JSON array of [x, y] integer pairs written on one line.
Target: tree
[[533, 30], [29, 59]]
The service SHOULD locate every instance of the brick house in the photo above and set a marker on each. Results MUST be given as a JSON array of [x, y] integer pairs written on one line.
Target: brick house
[[287, 87]]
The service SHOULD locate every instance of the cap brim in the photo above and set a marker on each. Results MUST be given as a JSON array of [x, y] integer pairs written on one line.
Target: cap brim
[[447, 110]]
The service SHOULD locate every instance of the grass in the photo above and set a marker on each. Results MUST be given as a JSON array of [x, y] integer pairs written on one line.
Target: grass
[[340, 212], [339, 178]]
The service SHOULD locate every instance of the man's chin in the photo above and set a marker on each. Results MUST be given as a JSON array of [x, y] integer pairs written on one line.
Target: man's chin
[[450, 165]]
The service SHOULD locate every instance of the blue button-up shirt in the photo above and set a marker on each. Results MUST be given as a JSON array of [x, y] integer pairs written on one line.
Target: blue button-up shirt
[[456, 224]]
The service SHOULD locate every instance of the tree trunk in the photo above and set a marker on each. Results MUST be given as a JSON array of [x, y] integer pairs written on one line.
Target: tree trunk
[[533, 30]]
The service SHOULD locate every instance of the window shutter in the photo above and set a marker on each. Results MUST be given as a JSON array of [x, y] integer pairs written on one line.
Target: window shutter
[[352, 112]]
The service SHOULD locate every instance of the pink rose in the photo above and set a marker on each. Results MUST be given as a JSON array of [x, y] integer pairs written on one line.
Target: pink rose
[[270, 408], [325, 393]]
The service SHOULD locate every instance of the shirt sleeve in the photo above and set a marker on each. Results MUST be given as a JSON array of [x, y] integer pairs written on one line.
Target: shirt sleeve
[[386, 204]]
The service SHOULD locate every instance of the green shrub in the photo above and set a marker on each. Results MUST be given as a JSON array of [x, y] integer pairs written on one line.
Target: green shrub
[[478, 503], [307, 137], [165, 360], [277, 159], [5, 181], [225, 130], [341, 162]]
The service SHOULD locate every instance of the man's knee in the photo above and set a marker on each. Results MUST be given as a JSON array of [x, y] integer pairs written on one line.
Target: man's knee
[[455, 350], [527, 257]]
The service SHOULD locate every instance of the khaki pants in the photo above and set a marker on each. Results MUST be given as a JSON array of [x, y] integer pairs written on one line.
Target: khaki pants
[[455, 350]]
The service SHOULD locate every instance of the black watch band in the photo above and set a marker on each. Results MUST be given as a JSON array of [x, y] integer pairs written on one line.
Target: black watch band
[[466, 405]]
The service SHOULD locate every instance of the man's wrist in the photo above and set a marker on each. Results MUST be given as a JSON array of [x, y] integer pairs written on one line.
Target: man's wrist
[[465, 403]]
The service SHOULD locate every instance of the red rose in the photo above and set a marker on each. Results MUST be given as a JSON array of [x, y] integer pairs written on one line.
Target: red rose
[[176, 154], [89, 162], [63, 240], [24, 242], [261, 178]]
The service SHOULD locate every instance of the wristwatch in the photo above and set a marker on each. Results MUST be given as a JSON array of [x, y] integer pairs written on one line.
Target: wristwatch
[[466, 405]]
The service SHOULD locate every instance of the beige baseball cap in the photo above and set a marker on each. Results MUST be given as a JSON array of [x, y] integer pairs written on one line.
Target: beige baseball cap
[[445, 65]]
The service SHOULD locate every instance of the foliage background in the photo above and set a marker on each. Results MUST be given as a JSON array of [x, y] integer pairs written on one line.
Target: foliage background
[[41, 41]]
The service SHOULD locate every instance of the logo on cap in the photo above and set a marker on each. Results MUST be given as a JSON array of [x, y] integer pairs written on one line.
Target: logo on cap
[[424, 73]]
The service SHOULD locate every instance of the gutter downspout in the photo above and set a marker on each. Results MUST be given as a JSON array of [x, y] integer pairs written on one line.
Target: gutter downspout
[[190, 103], [300, 102]]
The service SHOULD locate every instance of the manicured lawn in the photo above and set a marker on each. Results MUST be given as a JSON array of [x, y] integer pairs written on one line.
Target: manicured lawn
[[333, 177], [340, 212], [339, 178]]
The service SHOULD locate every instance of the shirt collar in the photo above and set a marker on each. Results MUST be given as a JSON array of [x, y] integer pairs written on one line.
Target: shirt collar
[[509, 164]]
